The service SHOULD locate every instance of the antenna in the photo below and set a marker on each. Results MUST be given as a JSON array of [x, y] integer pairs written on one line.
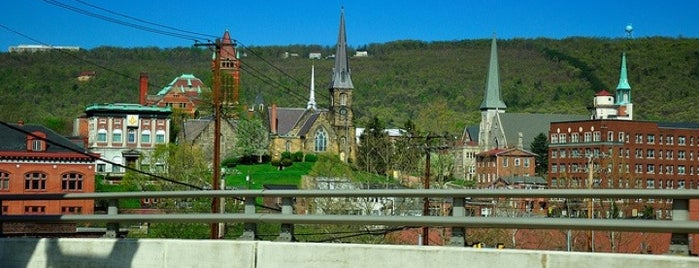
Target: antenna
[[629, 30]]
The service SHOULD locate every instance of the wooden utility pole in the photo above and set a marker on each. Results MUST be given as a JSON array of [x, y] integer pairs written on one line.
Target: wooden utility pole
[[216, 68], [426, 185]]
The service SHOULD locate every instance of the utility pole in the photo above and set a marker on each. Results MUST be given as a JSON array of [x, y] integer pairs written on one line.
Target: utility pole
[[216, 68], [426, 185]]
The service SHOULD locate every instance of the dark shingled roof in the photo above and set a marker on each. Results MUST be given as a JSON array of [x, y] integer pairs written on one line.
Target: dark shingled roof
[[307, 125], [530, 125], [16, 140]]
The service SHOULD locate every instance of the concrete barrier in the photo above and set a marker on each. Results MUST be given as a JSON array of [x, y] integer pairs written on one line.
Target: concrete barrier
[[81, 252]]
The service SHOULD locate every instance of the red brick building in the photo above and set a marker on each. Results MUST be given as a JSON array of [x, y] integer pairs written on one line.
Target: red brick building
[[182, 94], [36, 160], [625, 154], [503, 163]]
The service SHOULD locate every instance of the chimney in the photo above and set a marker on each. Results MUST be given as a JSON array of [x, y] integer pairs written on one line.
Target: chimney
[[273, 118], [143, 89]]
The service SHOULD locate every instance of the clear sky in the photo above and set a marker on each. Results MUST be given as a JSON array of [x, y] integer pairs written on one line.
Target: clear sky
[[65, 23]]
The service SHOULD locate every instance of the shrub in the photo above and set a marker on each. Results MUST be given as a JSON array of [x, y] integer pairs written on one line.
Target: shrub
[[311, 158], [286, 162], [275, 163], [297, 156], [230, 162], [286, 155]]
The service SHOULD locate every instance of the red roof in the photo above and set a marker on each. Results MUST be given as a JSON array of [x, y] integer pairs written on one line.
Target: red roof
[[604, 92]]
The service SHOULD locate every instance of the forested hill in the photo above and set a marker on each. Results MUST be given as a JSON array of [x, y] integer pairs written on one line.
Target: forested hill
[[438, 85]]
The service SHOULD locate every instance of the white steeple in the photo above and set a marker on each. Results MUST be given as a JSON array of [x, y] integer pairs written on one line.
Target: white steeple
[[312, 98]]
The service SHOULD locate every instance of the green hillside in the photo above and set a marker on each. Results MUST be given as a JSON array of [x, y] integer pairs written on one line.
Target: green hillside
[[438, 85]]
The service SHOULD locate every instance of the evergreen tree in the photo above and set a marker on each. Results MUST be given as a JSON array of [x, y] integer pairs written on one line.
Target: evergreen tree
[[540, 147], [375, 150]]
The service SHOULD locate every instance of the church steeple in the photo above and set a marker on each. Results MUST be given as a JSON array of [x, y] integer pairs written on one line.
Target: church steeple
[[312, 99], [492, 100], [623, 89], [341, 72]]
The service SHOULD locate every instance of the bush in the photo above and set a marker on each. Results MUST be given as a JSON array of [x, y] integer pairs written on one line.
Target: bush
[[275, 163], [297, 156], [286, 162], [230, 162], [286, 155], [311, 158]]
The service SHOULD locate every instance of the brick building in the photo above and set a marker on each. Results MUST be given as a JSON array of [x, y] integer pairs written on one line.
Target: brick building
[[495, 164], [36, 160], [182, 94]]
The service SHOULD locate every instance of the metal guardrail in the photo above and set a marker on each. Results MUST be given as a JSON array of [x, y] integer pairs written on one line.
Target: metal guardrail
[[680, 225]]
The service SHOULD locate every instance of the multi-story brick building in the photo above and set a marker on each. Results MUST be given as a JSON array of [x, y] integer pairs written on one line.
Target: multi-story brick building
[[182, 94], [124, 134], [37, 160]]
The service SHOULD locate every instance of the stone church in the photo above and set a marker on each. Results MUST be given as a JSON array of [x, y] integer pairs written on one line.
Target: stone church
[[314, 129]]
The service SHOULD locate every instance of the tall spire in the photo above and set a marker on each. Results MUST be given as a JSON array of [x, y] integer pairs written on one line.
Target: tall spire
[[341, 72], [312, 98], [492, 100], [623, 77]]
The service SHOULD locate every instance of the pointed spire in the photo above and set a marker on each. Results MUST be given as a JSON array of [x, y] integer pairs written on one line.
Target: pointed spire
[[312, 98], [492, 100], [341, 73], [623, 78], [227, 47]]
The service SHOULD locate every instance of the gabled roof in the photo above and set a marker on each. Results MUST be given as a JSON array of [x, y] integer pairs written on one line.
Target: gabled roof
[[503, 152], [14, 140], [530, 125], [194, 127], [308, 124], [603, 92], [184, 83]]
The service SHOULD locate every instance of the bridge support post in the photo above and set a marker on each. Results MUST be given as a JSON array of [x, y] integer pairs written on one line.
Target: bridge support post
[[112, 227], [679, 243], [287, 229], [458, 234], [249, 228]]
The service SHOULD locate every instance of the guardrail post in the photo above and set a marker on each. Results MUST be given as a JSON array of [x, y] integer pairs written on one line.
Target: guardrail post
[[112, 227], [287, 229], [679, 243], [458, 233], [2, 233], [249, 228]]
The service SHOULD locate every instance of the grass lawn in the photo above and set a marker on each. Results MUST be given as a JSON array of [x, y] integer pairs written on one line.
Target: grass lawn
[[265, 173]]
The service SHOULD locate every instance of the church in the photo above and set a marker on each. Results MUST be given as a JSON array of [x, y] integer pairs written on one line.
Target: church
[[315, 129]]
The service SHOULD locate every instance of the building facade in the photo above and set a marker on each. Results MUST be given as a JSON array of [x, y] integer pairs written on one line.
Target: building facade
[[182, 94], [124, 134], [36, 160], [497, 164]]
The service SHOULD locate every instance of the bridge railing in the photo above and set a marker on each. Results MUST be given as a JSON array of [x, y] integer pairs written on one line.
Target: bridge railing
[[680, 225]]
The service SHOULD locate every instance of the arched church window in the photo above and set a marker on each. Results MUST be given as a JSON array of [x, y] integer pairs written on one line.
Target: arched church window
[[321, 141]]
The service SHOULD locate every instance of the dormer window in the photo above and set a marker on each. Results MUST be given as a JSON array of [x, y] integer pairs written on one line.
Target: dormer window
[[35, 142]]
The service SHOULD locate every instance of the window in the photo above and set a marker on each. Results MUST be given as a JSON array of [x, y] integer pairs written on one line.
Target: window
[[35, 181], [562, 138], [343, 99], [102, 167], [518, 162], [610, 135], [287, 147], [682, 140], [669, 140], [117, 160], [669, 154], [681, 155], [650, 168], [131, 135], [526, 162], [597, 136], [639, 138], [681, 184], [37, 145], [160, 136], [650, 153], [639, 153], [145, 136], [554, 138], [101, 135], [321, 141], [554, 168], [554, 153], [650, 138], [35, 210], [575, 137], [116, 135], [4, 181], [504, 161], [621, 136], [588, 137], [71, 210], [650, 183], [72, 182], [563, 153], [669, 169], [681, 170]]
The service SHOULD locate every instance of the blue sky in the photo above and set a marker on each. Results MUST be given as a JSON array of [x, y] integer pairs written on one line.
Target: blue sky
[[316, 22]]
